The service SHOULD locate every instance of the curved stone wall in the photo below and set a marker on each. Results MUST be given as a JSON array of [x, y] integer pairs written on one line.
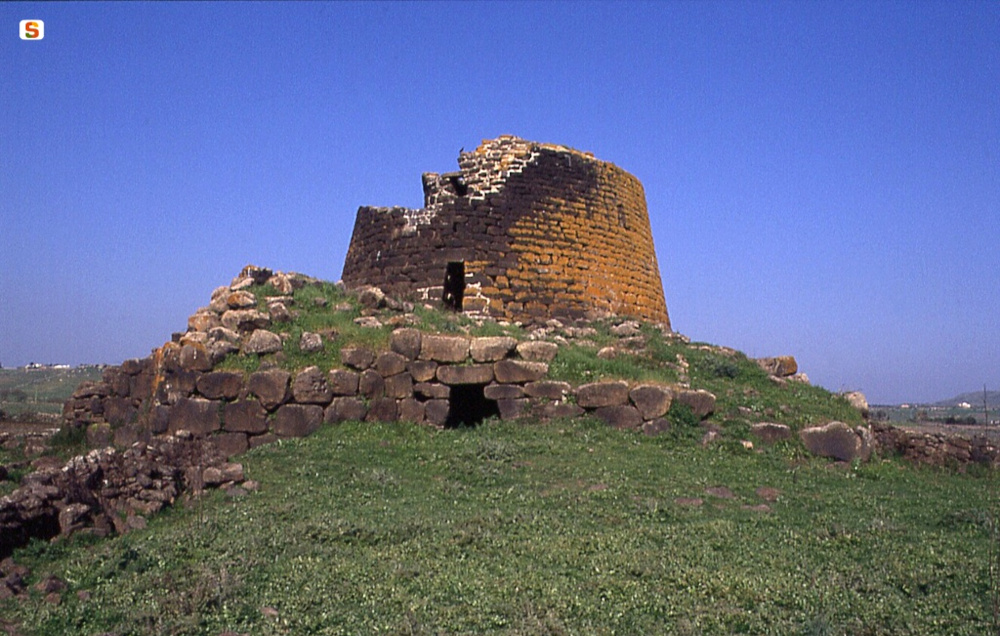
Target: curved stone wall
[[531, 231]]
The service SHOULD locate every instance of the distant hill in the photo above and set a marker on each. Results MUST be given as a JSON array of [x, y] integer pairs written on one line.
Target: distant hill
[[975, 398], [41, 390]]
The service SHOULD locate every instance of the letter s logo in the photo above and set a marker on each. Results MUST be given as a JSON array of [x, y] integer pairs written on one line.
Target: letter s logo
[[32, 29]]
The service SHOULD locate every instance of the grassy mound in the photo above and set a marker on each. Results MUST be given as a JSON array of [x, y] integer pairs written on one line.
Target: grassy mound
[[562, 528]]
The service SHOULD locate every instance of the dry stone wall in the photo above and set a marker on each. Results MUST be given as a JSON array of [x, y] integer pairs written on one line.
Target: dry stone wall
[[936, 449], [523, 231], [434, 379]]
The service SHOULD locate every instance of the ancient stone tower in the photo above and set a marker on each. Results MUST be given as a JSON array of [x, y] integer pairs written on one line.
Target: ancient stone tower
[[523, 231]]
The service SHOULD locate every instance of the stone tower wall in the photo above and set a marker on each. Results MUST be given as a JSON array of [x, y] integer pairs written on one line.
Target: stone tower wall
[[541, 230]]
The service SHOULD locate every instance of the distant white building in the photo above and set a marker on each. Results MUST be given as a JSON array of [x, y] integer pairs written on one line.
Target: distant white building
[[964, 405]]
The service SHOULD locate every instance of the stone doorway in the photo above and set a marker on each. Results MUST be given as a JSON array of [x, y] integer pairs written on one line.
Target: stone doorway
[[468, 406], [454, 285]]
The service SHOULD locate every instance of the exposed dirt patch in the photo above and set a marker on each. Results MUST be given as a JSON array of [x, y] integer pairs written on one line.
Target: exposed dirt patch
[[721, 492], [768, 494]]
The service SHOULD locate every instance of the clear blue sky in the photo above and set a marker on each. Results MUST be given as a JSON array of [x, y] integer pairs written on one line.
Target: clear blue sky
[[823, 179]]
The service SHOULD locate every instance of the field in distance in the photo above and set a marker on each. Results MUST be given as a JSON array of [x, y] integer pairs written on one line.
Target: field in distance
[[43, 389]]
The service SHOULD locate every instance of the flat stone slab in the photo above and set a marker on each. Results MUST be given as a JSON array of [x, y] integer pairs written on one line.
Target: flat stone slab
[[537, 350], [548, 389], [491, 349], [444, 348], [519, 371], [601, 394], [472, 374]]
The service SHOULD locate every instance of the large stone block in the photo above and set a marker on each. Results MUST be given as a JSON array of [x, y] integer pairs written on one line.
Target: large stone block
[[220, 384], [359, 358], [270, 387], [835, 439], [119, 411], [383, 410], [245, 416], [297, 420], [422, 370], [491, 349], [230, 444], [432, 390], [472, 374], [399, 386], [651, 400], [197, 415], [503, 392], [702, 402], [601, 394], [519, 371], [512, 409], [245, 320], [411, 410], [203, 321], [769, 432], [858, 400], [371, 384], [622, 416], [390, 363], [547, 389], [406, 342], [241, 299], [781, 366], [342, 409], [444, 348], [436, 412], [195, 357], [537, 350], [262, 342], [159, 419], [343, 382], [311, 387]]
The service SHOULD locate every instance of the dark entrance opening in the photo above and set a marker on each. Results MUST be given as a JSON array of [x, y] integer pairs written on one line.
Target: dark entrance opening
[[454, 286], [468, 406]]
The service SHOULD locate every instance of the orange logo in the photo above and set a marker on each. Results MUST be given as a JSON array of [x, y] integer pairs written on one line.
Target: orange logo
[[32, 29]]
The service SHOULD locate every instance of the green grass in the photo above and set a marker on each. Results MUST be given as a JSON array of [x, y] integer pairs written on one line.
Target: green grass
[[564, 528], [41, 390]]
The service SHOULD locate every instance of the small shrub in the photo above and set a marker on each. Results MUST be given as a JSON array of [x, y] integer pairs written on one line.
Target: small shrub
[[681, 416]]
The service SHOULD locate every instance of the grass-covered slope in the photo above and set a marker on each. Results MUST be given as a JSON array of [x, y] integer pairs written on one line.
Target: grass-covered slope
[[562, 528], [525, 527], [746, 394]]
